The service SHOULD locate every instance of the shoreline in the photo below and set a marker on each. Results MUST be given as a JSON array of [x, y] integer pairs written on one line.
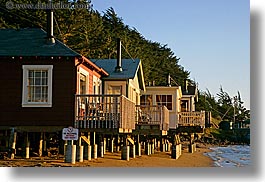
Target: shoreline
[[156, 160]]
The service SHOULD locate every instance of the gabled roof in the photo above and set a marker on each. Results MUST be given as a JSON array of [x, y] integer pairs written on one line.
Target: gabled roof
[[191, 90], [129, 67], [31, 42]]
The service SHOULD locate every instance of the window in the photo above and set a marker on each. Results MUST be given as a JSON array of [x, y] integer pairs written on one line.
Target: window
[[83, 84], [146, 100], [96, 85], [116, 90], [184, 106], [37, 86], [83, 81], [165, 100]]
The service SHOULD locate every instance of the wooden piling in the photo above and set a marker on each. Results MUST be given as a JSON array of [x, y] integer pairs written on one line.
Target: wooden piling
[[118, 144], [112, 145], [147, 148], [68, 152], [41, 144], [192, 145], [80, 153], [73, 156], [176, 151], [125, 152], [27, 149], [101, 149], [89, 148], [105, 145], [162, 145], [44, 144], [13, 139], [65, 146], [132, 151], [95, 151]]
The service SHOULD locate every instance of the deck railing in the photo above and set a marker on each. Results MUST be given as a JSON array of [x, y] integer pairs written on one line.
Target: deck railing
[[153, 115], [192, 119], [104, 112]]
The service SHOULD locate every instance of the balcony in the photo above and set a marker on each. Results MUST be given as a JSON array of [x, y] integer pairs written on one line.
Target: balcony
[[104, 113], [152, 117], [192, 119]]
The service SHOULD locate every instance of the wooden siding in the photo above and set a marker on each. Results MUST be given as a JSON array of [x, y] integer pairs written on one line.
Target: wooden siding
[[63, 90]]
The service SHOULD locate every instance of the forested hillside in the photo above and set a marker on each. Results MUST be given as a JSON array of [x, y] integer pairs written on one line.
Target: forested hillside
[[94, 36]]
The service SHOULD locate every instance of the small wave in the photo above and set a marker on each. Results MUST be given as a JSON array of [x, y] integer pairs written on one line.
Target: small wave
[[230, 156]]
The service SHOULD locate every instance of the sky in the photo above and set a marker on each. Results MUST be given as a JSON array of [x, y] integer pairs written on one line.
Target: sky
[[211, 37]]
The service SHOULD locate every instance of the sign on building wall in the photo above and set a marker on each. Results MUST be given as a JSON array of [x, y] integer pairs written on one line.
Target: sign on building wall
[[70, 133]]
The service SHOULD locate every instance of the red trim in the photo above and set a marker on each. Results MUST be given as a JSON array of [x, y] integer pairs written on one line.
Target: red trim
[[95, 67]]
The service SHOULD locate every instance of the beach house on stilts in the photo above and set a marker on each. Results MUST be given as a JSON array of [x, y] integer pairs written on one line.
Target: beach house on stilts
[[110, 116], [39, 77]]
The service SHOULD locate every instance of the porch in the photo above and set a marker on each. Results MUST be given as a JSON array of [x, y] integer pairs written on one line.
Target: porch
[[151, 119], [104, 113], [191, 122]]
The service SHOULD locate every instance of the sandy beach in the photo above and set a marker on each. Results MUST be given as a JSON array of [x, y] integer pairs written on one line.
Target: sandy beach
[[158, 159]]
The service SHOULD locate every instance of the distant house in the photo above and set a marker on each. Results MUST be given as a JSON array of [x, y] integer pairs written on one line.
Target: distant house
[[128, 82], [39, 77], [112, 111], [189, 97], [164, 96], [188, 116], [125, 76], [180, 103]]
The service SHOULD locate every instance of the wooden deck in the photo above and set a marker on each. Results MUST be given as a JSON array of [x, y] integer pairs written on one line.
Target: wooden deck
[[192, 119], [104, 113], [191, 122], [151, 120]]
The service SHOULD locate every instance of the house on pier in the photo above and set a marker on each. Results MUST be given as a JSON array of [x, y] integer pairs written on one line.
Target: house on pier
[[189, 97], [191, 120], [179, 101], [114, 110], [164, 98], [39, 77]]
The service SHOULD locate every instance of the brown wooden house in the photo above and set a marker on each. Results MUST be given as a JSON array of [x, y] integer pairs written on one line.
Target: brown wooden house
[[39, 77]]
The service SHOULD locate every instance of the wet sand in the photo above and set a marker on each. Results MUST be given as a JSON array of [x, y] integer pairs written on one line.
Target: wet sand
[[159, 159]]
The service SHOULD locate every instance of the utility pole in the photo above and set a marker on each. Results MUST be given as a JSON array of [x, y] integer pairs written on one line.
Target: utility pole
[[235, 103]]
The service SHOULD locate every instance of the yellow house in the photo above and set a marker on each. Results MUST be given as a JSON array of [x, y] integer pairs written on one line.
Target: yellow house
[[169, 96], [125, 77]]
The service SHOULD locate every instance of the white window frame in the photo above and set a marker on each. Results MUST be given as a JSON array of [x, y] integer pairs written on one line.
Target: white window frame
[[97, 85], [86, 74], [164, 103], [26, 69]]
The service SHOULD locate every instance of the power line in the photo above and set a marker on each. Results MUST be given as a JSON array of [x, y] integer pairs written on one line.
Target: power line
[[58, 27], [128, 53]]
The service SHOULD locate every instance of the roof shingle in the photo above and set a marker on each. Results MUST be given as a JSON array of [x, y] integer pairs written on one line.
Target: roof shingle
[[129, 67], [31, 42]]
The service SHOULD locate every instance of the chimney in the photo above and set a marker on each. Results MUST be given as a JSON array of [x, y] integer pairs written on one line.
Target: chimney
[[186, 85], [169, 80], [50, 37], [118, 67]]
